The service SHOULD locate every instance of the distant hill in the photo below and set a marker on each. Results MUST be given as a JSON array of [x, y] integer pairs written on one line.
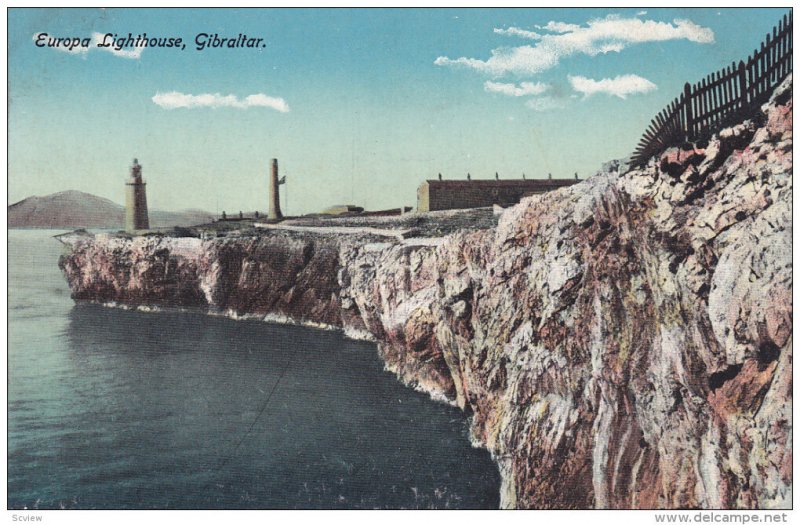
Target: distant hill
[[76, 209]]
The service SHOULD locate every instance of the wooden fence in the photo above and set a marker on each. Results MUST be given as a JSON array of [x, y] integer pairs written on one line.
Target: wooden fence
[[722, 98]]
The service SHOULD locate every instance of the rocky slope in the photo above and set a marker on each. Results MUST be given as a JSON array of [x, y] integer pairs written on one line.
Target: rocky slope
[[622, 343]]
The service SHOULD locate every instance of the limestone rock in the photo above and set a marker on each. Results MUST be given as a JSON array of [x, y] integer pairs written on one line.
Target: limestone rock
[[621, 343]]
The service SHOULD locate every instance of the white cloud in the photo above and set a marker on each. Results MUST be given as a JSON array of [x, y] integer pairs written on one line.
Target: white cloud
[[175, 99], [560, 27], [544, 103], [620, 86], [78, 49], [515, 31], [514, 90], [605, 35], [520, 60]]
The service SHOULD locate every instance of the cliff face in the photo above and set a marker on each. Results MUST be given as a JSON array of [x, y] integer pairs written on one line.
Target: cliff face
[[623, 343]]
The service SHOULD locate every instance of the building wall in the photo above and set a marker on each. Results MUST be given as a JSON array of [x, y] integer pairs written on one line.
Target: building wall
[[423, 203], [451, 195]]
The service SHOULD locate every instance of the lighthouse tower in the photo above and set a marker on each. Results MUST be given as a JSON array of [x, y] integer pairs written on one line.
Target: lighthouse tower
[[274, 196], [135, 201]]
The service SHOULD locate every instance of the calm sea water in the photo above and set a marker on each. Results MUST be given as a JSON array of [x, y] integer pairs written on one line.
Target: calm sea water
[[110, 408]]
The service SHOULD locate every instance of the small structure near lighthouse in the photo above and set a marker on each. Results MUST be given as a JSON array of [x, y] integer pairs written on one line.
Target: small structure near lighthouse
[[274, 212], [136, 201]]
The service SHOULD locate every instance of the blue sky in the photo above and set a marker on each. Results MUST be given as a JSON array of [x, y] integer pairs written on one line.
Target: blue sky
[[359, 106]]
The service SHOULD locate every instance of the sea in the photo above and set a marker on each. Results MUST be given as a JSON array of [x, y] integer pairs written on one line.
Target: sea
[[122, 409]]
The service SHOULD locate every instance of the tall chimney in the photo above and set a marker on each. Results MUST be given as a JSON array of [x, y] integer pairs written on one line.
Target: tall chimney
[[274, 196]]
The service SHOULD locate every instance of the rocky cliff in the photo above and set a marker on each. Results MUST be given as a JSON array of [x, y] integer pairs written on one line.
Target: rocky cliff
[[622, 343]]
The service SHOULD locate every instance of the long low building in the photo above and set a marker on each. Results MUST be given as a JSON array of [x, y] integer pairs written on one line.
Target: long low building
[[435, 195]]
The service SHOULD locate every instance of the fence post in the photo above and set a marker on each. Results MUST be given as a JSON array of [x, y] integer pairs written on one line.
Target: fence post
[[716, 97], [742, 85], [687, 102]]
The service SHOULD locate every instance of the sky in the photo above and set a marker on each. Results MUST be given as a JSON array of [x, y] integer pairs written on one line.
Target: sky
[[359, 105]]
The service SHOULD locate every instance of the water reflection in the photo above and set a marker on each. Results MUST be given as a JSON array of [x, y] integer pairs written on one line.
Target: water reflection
[[170, 409]]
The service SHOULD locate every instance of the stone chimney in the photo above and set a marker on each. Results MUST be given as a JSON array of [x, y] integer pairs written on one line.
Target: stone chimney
[[274, 196]]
